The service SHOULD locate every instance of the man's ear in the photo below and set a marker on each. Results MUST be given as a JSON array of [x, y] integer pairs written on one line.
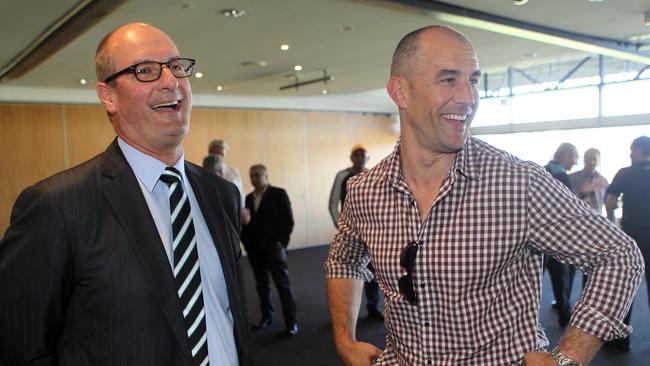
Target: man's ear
[[397, 89], [107, 97]]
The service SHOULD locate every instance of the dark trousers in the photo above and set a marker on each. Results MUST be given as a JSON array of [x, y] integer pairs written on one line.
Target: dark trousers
[[642, 237], [273, 264], [371, 289], [561, 280]]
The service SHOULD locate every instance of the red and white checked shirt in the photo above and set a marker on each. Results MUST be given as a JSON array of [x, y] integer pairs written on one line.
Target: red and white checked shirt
[[478, 273]]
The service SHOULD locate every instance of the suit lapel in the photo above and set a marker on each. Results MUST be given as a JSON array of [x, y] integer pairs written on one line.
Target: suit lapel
[[123, 193]]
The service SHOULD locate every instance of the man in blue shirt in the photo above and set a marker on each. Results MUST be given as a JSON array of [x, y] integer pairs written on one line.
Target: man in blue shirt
[[131, 258]]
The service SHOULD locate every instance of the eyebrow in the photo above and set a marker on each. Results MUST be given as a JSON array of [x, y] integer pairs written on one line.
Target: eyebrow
[[451, 72]]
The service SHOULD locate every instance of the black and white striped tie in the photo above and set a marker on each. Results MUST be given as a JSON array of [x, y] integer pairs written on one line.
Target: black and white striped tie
[[186, 266]]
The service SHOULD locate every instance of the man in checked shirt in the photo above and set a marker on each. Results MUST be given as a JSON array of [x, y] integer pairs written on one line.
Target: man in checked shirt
[[457, 230]]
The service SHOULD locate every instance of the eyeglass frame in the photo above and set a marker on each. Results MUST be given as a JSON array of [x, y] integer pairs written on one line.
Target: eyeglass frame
[[131, 69], [407, 261]]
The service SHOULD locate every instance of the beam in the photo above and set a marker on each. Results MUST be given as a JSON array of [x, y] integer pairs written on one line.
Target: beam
[[515, 28], [69, 26]]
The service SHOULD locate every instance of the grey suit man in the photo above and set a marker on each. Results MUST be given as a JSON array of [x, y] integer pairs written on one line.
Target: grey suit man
[[89, 266]]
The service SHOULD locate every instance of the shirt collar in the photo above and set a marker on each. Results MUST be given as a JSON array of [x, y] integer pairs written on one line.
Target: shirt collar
[[466, 162], [147, 168]]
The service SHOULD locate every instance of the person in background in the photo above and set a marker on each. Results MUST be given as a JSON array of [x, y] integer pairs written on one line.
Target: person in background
[[220, 147], [562, 274], [633, 183], [588, 184], [457, 230], [266, 238], [214, 164], [359, 158], [133, 257]]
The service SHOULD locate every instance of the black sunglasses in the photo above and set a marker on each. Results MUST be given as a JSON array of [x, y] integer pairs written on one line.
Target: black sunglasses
[[152, 70], [407, 261]]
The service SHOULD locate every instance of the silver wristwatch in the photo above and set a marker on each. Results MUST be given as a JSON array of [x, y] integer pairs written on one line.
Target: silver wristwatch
[[561, 359]]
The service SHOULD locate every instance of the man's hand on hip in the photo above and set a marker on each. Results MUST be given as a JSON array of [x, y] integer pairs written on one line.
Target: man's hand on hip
[[358, 353]]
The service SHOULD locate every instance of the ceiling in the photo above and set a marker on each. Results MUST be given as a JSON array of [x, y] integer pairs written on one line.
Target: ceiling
[[352, 40]]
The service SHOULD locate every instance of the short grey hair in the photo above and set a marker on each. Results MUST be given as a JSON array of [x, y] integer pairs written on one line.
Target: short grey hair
[[565, 148], [218, 142]]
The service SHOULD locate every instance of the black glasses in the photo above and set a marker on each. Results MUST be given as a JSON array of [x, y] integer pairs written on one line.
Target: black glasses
[[151, 70], [407, 261]]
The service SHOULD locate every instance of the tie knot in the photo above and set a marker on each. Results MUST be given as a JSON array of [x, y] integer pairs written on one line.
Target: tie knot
[[170, 176]]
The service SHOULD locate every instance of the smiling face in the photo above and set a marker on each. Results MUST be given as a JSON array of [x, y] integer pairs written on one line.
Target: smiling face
[[437, 94], [152, 116]]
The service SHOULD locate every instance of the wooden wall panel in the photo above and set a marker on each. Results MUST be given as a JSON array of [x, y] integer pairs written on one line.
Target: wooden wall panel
[[243, 131], [375, 132], [286, 161], [195, 141], [303, 150], [88, 132], [329, 142], [31, 148]]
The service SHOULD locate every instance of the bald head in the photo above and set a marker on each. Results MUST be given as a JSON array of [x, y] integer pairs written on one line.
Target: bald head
[[406, 53], [104, 60]]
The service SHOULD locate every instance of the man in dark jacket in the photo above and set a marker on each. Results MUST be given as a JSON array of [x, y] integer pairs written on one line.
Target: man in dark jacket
[[265, 238]]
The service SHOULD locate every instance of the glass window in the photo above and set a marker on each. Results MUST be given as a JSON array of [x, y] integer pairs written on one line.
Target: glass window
[[555, 105], [622, 99], [492, 112]]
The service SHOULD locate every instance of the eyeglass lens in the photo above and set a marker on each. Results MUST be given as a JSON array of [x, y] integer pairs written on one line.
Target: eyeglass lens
[[149, 71]]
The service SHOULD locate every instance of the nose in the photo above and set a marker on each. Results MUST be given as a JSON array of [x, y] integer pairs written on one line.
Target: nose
[[466, 93], [167, 79]]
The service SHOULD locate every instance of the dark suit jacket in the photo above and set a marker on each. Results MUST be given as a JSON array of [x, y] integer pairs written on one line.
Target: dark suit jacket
[[271, 223], [84, 278]]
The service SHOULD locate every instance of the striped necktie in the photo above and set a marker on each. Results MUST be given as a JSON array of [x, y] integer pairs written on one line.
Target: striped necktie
[[186, 266]]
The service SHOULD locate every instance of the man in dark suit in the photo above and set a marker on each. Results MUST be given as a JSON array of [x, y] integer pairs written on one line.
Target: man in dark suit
[[131, 258], [265, 238]]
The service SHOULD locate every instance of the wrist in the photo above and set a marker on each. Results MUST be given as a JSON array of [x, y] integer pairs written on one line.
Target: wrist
[[563, 360]]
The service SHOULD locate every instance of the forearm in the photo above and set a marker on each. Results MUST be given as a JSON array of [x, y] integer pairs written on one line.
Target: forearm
[[611, 202], [344, 299], [578, 345]]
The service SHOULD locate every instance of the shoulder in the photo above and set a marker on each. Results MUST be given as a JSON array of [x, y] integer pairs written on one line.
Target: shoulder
[[83, 177], [491, 160], [205, 177], [342, 173], [276, 191]]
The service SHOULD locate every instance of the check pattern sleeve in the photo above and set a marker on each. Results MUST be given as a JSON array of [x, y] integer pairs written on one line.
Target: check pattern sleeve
[[567, 229], [348, 257], [478, 271]]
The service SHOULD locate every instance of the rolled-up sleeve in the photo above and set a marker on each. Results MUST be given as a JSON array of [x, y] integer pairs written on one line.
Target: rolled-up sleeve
[[348, 255], [566, 228]]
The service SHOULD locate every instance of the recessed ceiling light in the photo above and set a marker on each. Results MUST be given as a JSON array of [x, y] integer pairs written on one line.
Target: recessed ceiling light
[[596, 1], [325, 91], [235, 13], [297, 67], [219, 88], [198, 75], [519, 2], [82, 81], [284, 47]]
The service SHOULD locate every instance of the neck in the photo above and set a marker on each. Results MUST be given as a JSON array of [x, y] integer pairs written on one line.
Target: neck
[[260, 189], [356, 170], [169, 155], [422, 167]]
